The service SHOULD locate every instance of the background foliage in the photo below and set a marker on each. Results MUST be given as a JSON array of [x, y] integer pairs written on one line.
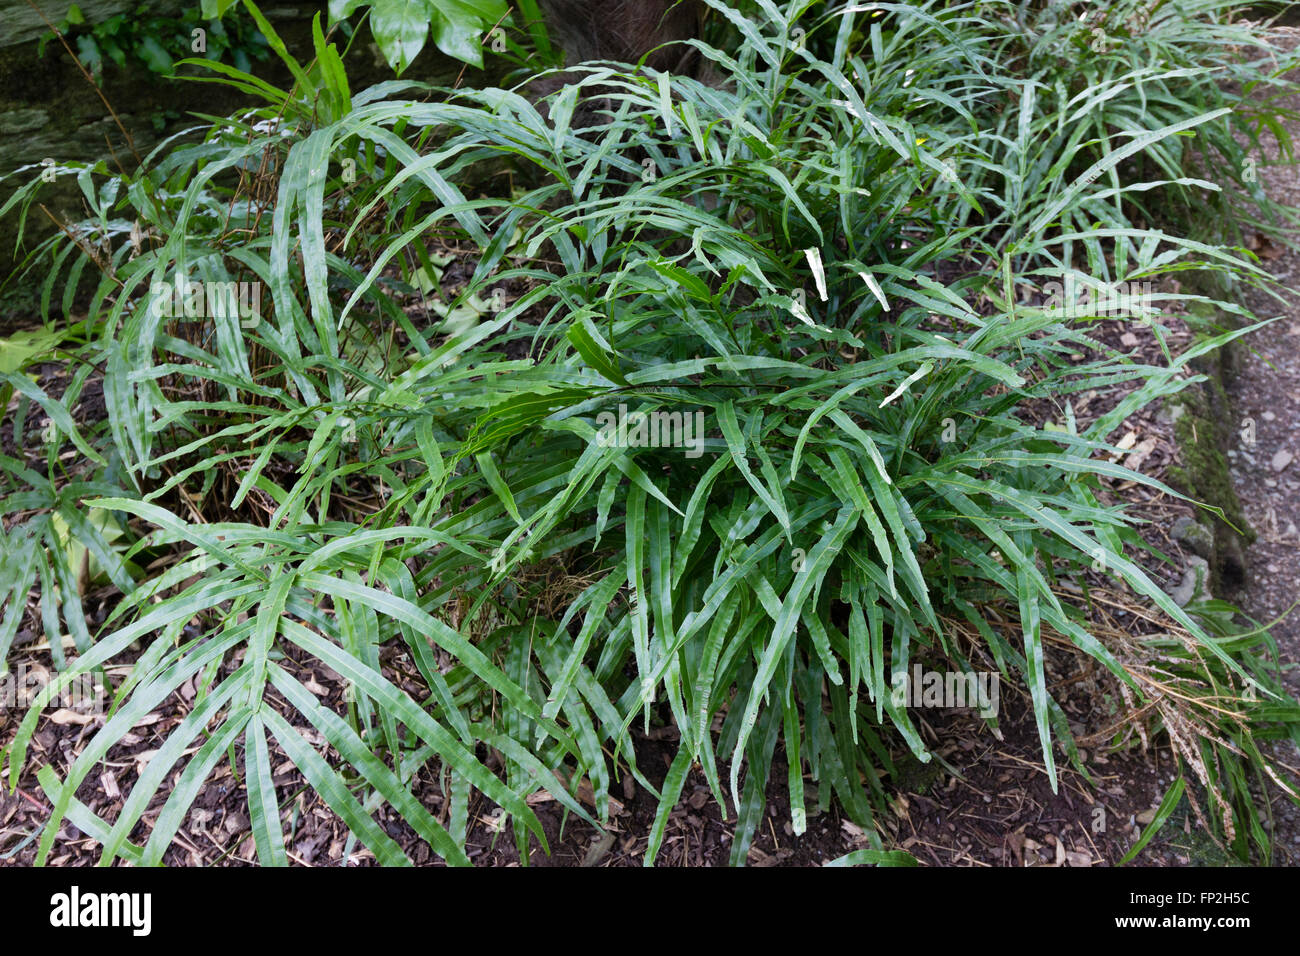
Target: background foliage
[[825, 253]]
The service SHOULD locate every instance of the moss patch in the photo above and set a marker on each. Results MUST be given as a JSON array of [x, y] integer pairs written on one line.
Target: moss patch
[[1203, 430], [917, 777], [1182, 833]]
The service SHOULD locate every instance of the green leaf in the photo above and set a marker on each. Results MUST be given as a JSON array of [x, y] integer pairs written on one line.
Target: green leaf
[[401, 29], [263, 807], [874, 858], [326, 781], [1167, 805], [154, 56]]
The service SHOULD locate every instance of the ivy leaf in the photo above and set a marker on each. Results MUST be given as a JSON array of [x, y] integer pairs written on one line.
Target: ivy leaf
[[460, 37], [20, 348], [154, 56], [114, 51], [88, 53], [400, 29]]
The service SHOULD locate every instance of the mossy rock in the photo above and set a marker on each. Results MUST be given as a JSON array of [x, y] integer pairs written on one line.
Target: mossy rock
[[1204, 431], [916, 777]]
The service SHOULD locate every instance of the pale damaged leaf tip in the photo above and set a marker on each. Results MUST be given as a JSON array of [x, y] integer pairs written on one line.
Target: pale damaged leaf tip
[[921, 372], [875, 288], [814, 257], [800, 313], [666, 102]]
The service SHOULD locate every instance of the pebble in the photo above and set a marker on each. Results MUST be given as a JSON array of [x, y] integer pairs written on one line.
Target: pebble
[[1281, 460], [1269, 416]]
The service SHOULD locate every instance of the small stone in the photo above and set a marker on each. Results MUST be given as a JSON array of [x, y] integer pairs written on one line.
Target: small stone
[[1198, 539], [1193, 584], [1270, 483], [1281, 460], [1128, 339], [1269, 416]]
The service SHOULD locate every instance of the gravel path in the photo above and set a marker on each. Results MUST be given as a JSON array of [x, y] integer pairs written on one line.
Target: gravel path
[[1266, 396]]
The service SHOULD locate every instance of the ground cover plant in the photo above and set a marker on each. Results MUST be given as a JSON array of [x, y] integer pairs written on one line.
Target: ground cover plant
[[729, 424]]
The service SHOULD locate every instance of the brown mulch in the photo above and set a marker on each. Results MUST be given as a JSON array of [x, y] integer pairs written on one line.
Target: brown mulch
[[991, 805], [997, 810]]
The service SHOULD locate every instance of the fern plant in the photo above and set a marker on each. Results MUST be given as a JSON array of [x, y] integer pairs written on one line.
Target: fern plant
[[812, 259]]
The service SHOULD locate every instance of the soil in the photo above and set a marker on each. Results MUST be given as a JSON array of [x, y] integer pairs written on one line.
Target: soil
[[989, 802], [1266, 471], [984, 801]]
